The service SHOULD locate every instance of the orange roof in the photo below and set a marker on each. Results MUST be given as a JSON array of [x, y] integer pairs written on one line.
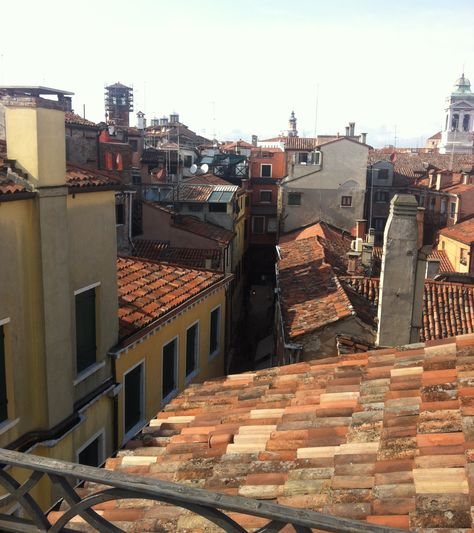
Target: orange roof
[[72, 118], [162, 251], [462, 232], [448, 308], [311, 294], [149, 290], [204, 229], [385, 437], [206, 179], [444, 262], [79, 177]]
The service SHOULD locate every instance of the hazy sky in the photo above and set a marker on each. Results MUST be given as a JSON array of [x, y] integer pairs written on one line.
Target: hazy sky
[[240, 67]]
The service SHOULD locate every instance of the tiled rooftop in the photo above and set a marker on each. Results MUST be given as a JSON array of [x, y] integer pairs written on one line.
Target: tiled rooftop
[[79, 177], [444, 262], [73, 118], [148, 290], [385, 437], [206, 179], [462, 232], [448, 308], [162, 251], [204, 229], [311, 294]]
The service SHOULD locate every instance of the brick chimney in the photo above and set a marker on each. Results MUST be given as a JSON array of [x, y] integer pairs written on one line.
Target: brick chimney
[[361, 228], [402, 277]]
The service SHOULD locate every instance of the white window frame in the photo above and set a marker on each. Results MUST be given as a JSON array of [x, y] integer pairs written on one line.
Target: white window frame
[[266, 201], [218, 348], [98, 435], [87, 288], [172, 393], [346, 196], [195, 372], [142, 422], [266, 165], [253, 225]]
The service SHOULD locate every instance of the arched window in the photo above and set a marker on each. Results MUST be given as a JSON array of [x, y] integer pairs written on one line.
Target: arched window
[[455, 122], [466, 122], [119, 162], [109, 161]]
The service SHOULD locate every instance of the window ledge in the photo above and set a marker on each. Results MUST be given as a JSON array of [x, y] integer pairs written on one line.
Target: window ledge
[[8, 424], [191, 376], [88, 372]]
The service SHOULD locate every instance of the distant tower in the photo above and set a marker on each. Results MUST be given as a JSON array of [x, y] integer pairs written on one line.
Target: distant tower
[[457, 136], [118, 104], [141, 120], [292, 131]]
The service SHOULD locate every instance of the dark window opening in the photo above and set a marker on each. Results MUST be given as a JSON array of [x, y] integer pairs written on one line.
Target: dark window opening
[[258, 224], [465, 123], [266, 196], [3, 379], [217, 208], [266, 171], [302, 157], [191, 349], [382, 174], [214, 332], [188, 161], [382, 197], [85, 330], [90, 455], [195, 208], [133, 144], [169, 368], [133, 398], [294, 198], [119, 214]]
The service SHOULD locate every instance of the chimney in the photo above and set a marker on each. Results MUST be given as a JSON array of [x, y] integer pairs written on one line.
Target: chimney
[[420, 218], [432, 268], [402, 277], [35, 138], [347, 131], [443, 179], [254, 140], [363, 138], [465, 178], [361, 228], [141, 120], [352, 128]]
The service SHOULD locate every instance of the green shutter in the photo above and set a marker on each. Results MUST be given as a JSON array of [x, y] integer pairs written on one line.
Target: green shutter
[[85, 330], [3, 379]]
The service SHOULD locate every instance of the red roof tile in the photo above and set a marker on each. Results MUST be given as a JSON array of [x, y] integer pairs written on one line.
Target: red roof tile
[[149, 290], [444, 262], [462, 232], [72, 118], [383, 437], [191, 257], [10, 187], [311, 294], [205, 229], [78, 177], [448, 308]]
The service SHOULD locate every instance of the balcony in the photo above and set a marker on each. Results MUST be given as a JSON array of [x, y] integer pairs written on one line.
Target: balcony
[[108, 485]]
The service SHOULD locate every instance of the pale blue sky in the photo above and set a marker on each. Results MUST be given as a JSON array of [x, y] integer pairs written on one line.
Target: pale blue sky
[[378, 63]]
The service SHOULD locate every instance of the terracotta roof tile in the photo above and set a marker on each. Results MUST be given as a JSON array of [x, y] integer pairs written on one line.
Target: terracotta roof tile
[[205, 229], [462, 232], [445, 264], [78, 177], [73, 118], [148, 290], [191, 257], [358, 453], [448, 307]]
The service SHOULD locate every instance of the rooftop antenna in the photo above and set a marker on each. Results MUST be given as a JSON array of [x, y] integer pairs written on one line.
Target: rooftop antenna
[[2, 69], [214, 120], [395, 137], [316, 110]]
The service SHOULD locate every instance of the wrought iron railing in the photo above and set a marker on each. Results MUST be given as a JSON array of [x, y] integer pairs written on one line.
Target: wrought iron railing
[[209, 505]]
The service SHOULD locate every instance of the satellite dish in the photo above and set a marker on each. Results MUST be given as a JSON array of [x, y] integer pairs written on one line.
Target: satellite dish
[[204, 168], [193, 168]]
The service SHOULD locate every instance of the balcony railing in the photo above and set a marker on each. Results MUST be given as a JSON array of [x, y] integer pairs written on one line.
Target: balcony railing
[[209, 505]]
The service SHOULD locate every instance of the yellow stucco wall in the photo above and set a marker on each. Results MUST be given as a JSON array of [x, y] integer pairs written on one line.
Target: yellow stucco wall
[[453, 251], [150, 351]]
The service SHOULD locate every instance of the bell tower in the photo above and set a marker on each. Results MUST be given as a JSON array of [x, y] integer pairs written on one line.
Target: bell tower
[[292, 131], [458, 133]]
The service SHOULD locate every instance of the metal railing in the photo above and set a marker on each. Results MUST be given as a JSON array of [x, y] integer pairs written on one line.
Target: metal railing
[[209, 505]]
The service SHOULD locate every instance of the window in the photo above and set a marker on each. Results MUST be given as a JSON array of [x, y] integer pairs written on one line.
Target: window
[[192, 335], [258, 224], [382, 197], [272, 225], [444, 203], [3, 379], [133, 398], [379, 224], [432, 203], [188, 161], [346, 201], [266, 171], [195, 208], [455, 122], [217, 208], [463, 258], [85, 330], [266, 196], [452, 209], [294, 198], [119, 214], [133, 145], [465, 122], [92, 454], [214, 331], [382, 174], [169, 374], [316, 158], [302, 157]]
